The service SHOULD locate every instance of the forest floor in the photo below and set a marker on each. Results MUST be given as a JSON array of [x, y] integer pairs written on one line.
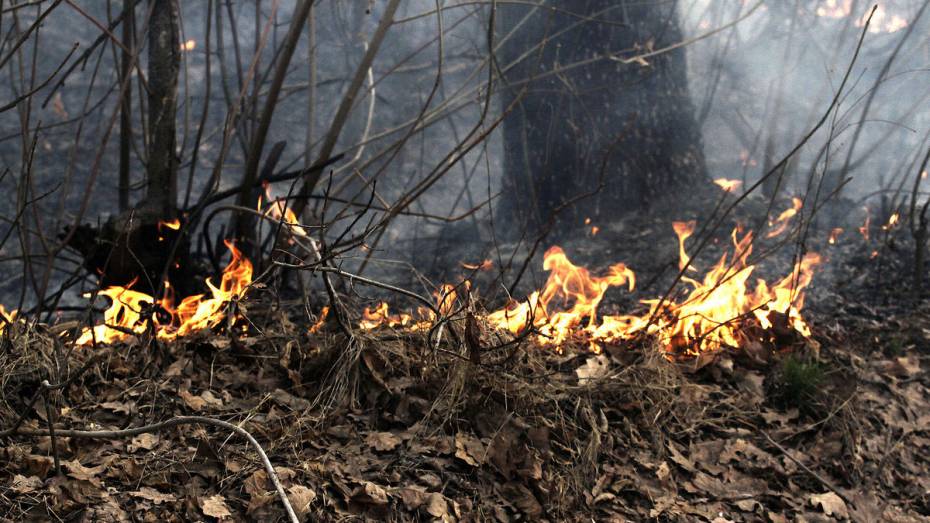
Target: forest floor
[[386, 427]]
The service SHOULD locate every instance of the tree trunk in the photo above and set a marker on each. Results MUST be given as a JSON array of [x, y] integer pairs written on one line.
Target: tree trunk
[[164, 60], [582, 110]]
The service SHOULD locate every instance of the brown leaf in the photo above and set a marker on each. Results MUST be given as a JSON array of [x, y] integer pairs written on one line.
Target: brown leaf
[[301, 497], [215, 506], [152, 495], [469, 449], [78, 471], [370, 493], [145, 441], [413, 498], [831, 504], [23, 485], [436, 505], [382, 441]]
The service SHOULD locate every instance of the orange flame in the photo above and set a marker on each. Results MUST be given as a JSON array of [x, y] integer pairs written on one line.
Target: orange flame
[[6, 318], [892, 222], [728, 185], [781, 223], [709, 318], [834, 235], [864, 230], [133, 312], [174, 224]]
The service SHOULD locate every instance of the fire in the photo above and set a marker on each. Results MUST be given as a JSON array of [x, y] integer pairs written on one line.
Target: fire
[[132, 312], [728, 185], [834, 235], [781, 223], [892, 222], [864, 230], [174, 224], [6, 318], [485, 265], [712, 315], [707, 319], [189, 45]]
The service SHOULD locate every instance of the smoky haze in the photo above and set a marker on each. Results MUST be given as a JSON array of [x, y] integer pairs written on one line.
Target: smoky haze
[[759, 77]]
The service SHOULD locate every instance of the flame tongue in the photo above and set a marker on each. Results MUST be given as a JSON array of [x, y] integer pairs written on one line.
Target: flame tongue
[[131, 312]]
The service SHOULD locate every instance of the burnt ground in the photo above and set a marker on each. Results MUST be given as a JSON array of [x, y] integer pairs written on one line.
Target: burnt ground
[[389, 427]]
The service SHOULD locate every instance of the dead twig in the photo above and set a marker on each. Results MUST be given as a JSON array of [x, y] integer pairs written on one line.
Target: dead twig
[[174, 422]]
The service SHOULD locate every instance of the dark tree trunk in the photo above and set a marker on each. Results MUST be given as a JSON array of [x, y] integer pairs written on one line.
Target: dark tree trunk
[[135, 245], [164, 61], [582, 110]]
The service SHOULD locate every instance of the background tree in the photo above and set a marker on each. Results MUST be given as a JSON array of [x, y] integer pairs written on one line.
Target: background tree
[[587, 106]]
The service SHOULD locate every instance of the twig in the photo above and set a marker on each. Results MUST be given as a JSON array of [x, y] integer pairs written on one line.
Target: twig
[[827, 483], [173, 422]]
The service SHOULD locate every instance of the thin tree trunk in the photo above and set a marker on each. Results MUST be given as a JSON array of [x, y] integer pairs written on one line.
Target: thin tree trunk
[[164, 62], [125, 117]]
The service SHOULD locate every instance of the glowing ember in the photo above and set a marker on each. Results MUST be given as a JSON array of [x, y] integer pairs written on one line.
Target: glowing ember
[[728, 185], [781, 223], [133, 312], [594, 230], [834, 235], [189, 45]]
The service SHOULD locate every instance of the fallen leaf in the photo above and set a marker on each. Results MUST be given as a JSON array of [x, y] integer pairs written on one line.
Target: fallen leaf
[[469, 449], [382, 441], [370, 493], [24, 485], [301, 497], [831, 504], [152, 495], [143, 441], [215, 506], [436, 505]]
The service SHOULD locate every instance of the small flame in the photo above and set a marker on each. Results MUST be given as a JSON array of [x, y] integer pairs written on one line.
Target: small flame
[[892, 222], [174, 224], [864, 230], [594, 230], [6, 318], [485, 265], [834, 235], [781, 223], [727, 184], [189, 45], [683, 230], [133, 313]]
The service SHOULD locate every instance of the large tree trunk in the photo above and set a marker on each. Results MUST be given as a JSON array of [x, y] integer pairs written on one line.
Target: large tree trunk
[[633, 121]]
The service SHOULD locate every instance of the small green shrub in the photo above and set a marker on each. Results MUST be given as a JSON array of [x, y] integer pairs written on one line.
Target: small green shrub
[[798, 383]]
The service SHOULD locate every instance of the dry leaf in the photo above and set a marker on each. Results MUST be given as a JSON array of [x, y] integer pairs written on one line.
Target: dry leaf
[[145, 441], [370, 493], [831, 504], [301, 497], [23, 485], [469, 449], [436, 505], [152, 495], [382, 441], [215, 506]]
